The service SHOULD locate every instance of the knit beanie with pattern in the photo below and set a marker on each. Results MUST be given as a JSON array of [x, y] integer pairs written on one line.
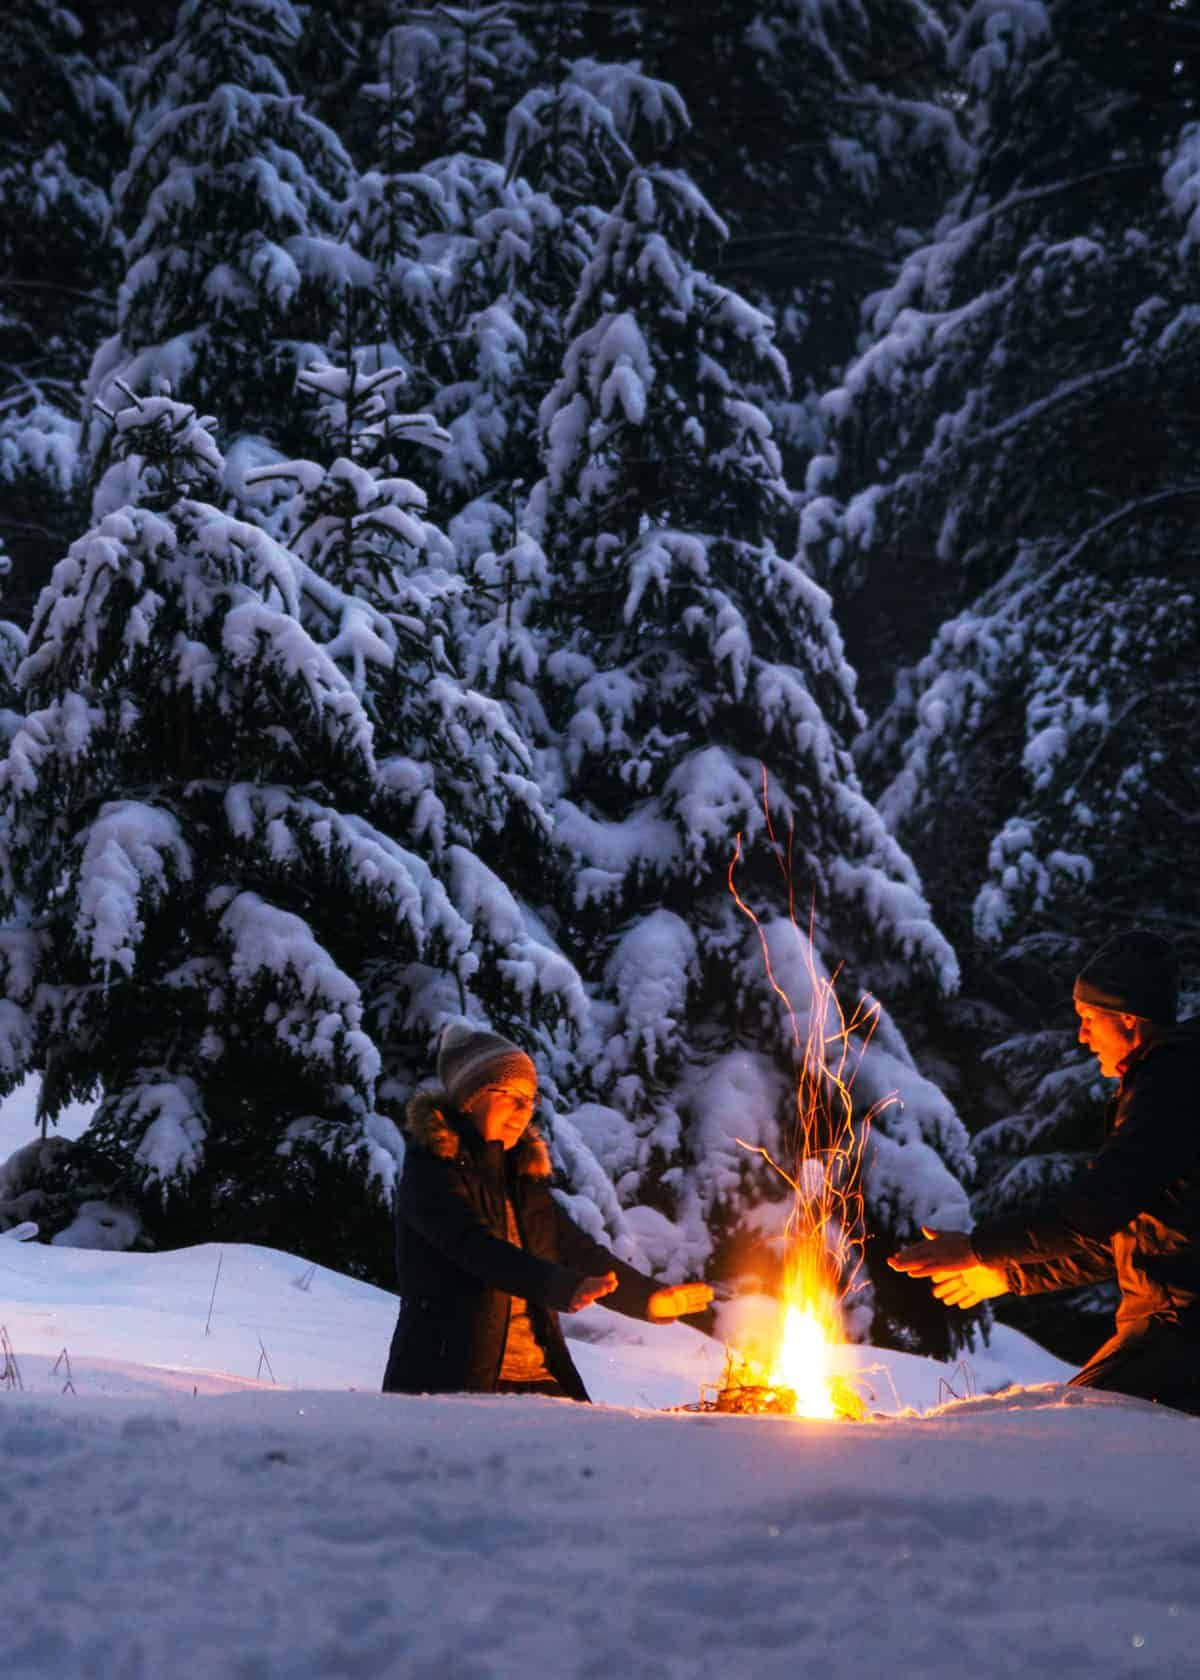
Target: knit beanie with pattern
[[470, 1059], [1134, 973]]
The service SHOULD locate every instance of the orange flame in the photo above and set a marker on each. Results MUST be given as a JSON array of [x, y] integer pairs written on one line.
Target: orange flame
[[824, 1231]]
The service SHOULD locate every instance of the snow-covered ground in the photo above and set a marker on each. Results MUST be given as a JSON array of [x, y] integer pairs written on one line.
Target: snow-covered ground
[[174, 1511]]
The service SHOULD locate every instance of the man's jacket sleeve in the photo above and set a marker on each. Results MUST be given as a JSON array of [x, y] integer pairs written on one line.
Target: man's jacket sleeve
[[1088, 1262], [634, 1288], [1156, 1142], [433, 1201]]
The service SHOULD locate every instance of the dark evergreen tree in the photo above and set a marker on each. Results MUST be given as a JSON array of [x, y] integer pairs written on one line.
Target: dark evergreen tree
[[1013, 488], [232, 204], [826, 133], [684, 662], [62, 122], [457, 770], [334, 59], [396, 217], [210, 920], [462, 63], [477, 259]]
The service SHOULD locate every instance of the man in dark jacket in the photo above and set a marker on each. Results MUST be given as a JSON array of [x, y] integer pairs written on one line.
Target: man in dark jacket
[[1135, 1211], [485, 1257]]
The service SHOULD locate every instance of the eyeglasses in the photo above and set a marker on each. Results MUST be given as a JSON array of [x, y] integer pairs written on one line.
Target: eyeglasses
[[520, 1100]]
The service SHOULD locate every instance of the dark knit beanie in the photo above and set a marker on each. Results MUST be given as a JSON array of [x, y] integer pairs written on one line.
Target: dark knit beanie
[[469, 1059], [1134, 973]]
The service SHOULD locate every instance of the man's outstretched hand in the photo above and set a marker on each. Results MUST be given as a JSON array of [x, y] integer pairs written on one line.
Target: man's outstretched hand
[[942, 1251], [677, 1300], [967, 1289], [592, 1289], [948, 1260]]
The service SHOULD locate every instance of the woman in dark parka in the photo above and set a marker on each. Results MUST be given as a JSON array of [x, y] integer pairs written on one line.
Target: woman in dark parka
[[486, 1259]]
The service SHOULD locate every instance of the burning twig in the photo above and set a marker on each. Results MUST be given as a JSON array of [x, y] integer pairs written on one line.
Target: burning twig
[[745, 1390]]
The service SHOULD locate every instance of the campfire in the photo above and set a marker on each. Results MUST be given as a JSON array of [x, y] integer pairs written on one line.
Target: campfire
[[814, 1390], [823, 1235]]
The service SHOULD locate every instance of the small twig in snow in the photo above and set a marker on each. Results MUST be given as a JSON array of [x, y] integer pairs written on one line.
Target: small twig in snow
[[264, 1359], [64, 1358], [10, 1374], [968, 1381], [216, 1280]]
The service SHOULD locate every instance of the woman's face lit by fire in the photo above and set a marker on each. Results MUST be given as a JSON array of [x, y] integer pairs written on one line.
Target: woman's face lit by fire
[[502, 1112], [1109, 1035]]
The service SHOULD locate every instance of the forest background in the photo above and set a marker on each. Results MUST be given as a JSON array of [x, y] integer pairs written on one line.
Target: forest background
[[467, 473]]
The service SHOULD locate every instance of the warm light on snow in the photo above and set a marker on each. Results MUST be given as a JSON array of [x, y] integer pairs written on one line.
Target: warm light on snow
[[174, 1499]]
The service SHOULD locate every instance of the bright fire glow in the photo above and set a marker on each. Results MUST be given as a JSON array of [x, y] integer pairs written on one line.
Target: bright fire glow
[[825, 1226], [802, 1363]]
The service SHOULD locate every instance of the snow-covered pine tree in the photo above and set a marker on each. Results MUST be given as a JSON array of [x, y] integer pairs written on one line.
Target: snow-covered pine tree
[[12, 651], [569, 145], [456, 773], [684, 660], [232, 206], [477, 261], [396, 217], [1015, 455], [61, 126], [461, 62], [333, 59], [826, 132], [204, 920]]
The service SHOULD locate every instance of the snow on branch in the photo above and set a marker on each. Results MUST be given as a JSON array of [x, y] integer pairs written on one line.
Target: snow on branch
[[313, 1006], [168, 1111], [532, 971], [131, 855], [254, 635], [62, 730], [358, 861], [650, 969], [1182, 185]]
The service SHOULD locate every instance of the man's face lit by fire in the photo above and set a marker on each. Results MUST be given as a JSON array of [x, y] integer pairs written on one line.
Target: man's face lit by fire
[[502, 1112], [1110, 1036]]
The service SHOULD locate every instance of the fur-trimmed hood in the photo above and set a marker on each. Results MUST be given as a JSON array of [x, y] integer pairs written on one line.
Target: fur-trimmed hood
[[433, 1124]]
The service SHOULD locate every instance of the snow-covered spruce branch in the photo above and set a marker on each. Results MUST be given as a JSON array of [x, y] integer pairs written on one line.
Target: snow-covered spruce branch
[[937, 459], [1156, 696], [731, 259], [1034, 195], [10, 283], [1009, 602], [1061, 394]]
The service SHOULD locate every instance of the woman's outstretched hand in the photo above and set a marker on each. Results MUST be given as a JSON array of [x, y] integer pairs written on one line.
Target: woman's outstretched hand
[[677, 1300], [591, 1289]]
